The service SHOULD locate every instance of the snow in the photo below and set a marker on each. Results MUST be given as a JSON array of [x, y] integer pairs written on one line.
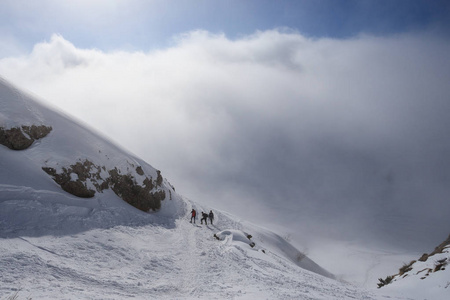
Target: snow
[[145, 260], [58, 246], [421, 282]]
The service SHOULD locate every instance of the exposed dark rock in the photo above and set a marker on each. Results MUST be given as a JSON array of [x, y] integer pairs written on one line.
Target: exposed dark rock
[[37, 132], [441, 247], [384, 282], [406, 268], [20, 138], [440, 265], [139, 170], [74, 187], [438, 249], [148, 183], [78, 189], [124, 185], [140, 197], [14, 139], [159, 179], [424, 257]]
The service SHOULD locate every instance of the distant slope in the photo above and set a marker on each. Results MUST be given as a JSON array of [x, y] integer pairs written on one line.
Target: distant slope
[[266, 240], [425, 278]]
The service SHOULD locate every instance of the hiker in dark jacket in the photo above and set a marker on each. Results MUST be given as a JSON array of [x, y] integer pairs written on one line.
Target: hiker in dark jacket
[[193, 215], [211, 217], [204, 217]]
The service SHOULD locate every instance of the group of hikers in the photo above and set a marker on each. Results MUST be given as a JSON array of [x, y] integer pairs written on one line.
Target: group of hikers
[[205, 217]]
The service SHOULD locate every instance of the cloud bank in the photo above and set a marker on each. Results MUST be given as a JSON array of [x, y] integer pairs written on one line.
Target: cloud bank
[[349, 133]]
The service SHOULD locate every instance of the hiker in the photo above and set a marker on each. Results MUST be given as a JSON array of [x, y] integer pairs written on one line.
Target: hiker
[[204, 217], [211, 217], [193, 215]]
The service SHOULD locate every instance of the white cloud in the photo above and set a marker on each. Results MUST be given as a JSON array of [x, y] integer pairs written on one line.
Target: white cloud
[[315, 124]]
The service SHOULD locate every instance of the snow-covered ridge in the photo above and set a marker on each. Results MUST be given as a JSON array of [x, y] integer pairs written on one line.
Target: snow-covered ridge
[[425, 278], [80, 161]]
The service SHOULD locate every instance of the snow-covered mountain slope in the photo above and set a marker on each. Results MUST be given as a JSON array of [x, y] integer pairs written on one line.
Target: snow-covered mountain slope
[[68, 156], [425, 278], [66, 231], [152, 260]]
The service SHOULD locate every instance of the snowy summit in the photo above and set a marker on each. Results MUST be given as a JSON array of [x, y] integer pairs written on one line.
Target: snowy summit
[[81, 218]]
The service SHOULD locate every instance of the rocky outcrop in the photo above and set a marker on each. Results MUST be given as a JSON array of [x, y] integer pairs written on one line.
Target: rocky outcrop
[[424, 266], [84, 179], [142, 197], [20, 138], [438, 249], [73, 179]]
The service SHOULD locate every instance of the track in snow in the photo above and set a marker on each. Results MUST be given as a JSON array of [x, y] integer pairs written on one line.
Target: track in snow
[[183, 261]]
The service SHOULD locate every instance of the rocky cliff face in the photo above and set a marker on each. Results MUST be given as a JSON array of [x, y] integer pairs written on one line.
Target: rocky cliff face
[[84, 179], [20, 138]]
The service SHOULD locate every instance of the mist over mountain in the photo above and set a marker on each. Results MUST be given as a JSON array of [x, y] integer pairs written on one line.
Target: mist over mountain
[[316, 131], [75, 209], [61, 182], [302, 130]]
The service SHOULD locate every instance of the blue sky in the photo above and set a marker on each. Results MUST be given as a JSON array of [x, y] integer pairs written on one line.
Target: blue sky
[[146, 25]]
